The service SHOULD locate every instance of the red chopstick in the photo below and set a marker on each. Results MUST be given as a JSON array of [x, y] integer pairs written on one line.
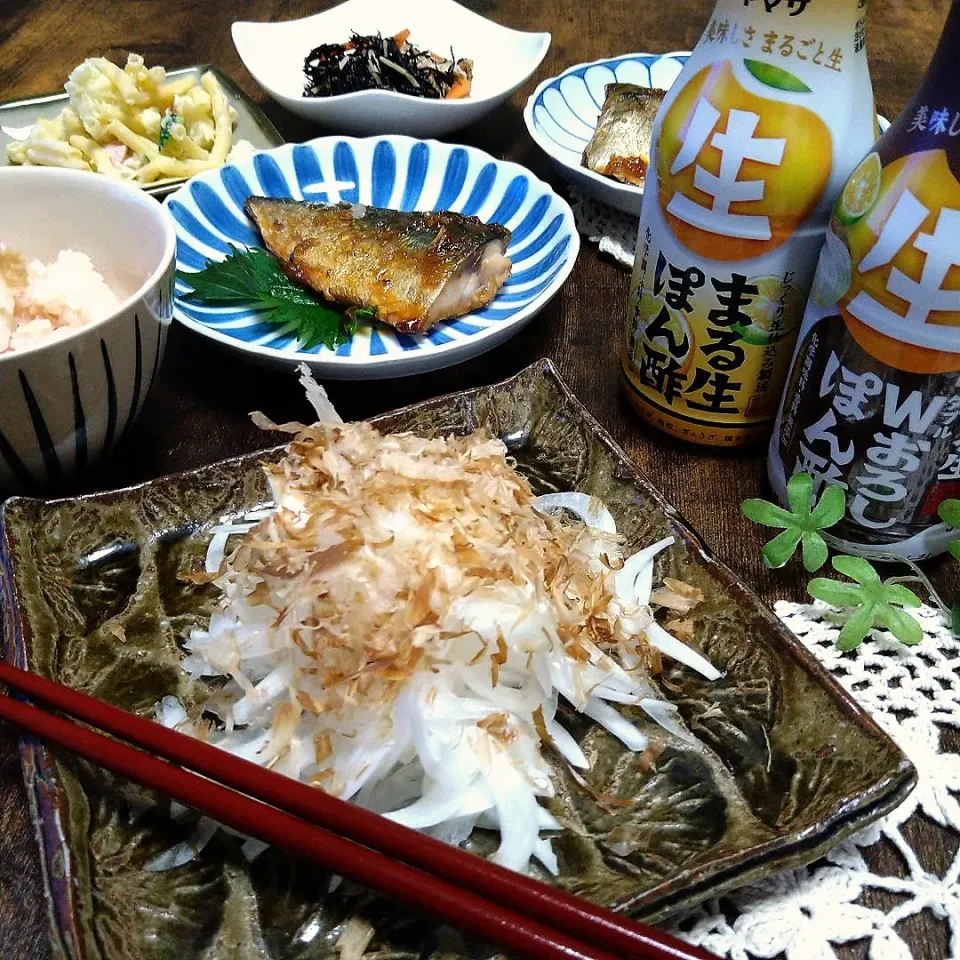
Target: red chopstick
[[284, 830], [519, 897]]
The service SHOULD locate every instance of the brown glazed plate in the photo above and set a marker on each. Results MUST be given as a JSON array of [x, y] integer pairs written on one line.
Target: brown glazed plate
[[785, 763]]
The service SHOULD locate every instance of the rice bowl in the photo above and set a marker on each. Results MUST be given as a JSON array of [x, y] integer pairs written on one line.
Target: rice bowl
[[65, 399]]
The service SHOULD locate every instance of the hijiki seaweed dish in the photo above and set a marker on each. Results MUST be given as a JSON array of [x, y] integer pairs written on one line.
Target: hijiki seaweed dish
[[392, 63], [401, 628]]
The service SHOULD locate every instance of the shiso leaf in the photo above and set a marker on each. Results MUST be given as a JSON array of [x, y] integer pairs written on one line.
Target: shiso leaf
[[253, 276]]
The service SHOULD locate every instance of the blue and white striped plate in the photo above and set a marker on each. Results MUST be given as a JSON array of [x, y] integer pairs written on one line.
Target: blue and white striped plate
[[388, 171], [562, 114]]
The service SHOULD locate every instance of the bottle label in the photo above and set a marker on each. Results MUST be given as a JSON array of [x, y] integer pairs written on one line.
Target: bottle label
[[769, 116], [896, 272], [729, 235], [737, 172], [709, 347], [873, 401], [890, 438]]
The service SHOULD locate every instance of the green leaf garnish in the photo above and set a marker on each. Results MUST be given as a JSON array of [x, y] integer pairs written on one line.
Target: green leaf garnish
[[169, 119], [254, 277], [856, 568], [800, 524], [776, 77], [874, 602], [949, 511]]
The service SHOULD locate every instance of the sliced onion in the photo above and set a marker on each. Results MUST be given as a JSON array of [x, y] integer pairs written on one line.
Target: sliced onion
[[666, 715], [221, 534], [273, 685], [611, 720], [546, 820], [431, 766], [170, 712], [566, 746], [516, 812], [456, 831], [591, 510], [543, 851], [187, 850], [667, 643], [440, 802], [633, 582]]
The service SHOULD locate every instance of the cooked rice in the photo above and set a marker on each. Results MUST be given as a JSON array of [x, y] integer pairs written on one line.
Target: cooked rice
[[39, 301]]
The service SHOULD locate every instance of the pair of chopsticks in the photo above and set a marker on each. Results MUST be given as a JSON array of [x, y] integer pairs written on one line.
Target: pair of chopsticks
[[508, 909]]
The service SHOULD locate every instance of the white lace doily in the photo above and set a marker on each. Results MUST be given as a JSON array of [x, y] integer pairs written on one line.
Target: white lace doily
[[614, 231], [910, 692]]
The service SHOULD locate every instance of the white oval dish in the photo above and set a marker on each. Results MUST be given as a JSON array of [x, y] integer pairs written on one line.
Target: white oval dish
[[562, 114], [396, 172], [69, 399], [502, 60]]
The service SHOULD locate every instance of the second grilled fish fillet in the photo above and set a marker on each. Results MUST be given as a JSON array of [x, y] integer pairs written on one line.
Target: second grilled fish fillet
[[414, 268], [620, 146]]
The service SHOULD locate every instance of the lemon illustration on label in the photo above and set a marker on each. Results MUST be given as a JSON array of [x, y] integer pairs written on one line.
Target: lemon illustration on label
[[783, 191], [861, 191], [774, 312]]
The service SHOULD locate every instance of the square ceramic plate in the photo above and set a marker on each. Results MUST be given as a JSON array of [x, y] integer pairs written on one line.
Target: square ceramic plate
[[252, 124], [785, 764]]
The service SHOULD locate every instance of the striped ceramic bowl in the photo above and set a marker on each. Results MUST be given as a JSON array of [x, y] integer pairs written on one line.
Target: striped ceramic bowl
[[388, 171], [67, 401], [562, 114]]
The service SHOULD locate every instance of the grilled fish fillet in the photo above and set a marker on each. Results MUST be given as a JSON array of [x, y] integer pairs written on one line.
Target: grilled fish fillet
[[620, 145], [414, 268]]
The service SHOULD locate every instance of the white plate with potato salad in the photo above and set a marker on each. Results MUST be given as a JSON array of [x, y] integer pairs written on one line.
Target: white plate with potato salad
[[136, 122]]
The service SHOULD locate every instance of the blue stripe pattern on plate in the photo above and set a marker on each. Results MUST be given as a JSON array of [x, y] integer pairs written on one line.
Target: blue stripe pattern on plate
[[385, 171], [565, 111]]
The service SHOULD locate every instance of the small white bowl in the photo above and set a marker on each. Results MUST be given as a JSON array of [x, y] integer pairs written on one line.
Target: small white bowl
[[69, 399], [562, 113], [502, 60]]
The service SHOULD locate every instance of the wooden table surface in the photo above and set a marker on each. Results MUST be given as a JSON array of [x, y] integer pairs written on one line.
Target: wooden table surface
[[198, 409]]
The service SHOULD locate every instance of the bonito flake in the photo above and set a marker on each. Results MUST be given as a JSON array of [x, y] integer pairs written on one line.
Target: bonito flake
[[400, 631]]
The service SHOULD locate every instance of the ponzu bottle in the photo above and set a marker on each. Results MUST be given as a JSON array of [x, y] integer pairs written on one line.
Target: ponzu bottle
[[761, 129], [873, 397]]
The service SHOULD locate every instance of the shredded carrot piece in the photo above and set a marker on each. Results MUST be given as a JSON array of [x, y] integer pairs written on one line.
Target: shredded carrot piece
[[459, 90]]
